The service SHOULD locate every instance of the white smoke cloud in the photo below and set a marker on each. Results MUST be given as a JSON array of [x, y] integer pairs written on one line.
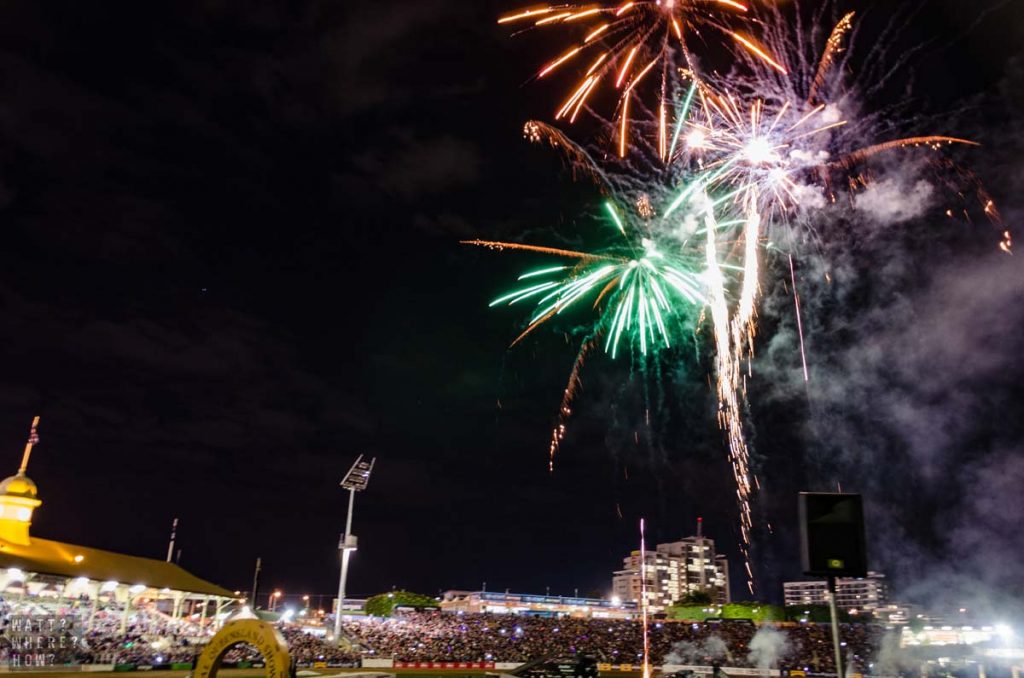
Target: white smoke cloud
[[710, 650], [892, 659], [893, 201], [831, 114], [808, 197], [803, 157], [767, 648], [909, 400]]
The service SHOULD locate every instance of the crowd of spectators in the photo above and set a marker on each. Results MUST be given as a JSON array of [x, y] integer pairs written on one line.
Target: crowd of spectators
[[438, 636], [150, 638], [153, 638], [307, 648], [97, 647]]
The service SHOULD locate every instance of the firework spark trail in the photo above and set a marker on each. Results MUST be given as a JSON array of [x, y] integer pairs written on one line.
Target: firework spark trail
[[799, 321], [573, 155], [629, 40], [554, 251], [743, 326], [727, 368], [834, 43], [568, 396], [959, 181], [933, 141]]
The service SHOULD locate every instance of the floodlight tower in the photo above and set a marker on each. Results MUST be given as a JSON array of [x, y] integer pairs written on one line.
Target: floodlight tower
[[356, 480]]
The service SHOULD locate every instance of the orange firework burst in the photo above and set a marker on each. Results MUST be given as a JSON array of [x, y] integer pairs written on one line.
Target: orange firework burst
[[624, 43]]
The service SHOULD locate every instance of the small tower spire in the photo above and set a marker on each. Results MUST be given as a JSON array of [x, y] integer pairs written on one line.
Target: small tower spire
[[33, 439], [19, 498]]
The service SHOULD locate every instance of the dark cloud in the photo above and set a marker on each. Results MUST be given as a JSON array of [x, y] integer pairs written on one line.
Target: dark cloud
[[420, 167]]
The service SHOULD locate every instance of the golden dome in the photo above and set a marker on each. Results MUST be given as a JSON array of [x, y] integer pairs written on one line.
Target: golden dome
[[19, 486]]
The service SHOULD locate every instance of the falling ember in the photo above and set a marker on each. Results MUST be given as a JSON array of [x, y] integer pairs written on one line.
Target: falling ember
[[644, 207], [532, 132]]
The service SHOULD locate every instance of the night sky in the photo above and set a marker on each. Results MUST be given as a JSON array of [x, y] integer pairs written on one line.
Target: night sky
[[230, 265]]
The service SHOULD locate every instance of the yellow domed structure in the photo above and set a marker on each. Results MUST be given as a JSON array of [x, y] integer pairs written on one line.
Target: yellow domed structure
[[81, 575], [19, 497], [19, 485]]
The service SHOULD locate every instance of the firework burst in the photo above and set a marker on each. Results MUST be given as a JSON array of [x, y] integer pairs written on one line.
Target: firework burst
[[633, 47], [639, 290], [647, 296], [766, 142]]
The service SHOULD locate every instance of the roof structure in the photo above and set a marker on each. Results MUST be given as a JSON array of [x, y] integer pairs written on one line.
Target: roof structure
[[68, 560], [19, 497]]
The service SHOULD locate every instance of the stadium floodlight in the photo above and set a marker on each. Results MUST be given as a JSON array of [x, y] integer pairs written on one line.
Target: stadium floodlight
[[358, 477], [356, 480]]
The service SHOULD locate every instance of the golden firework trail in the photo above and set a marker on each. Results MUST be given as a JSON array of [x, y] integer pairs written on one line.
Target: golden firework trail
[[554, 251], [832, 46], [568, 396], [626, 41], [575, 157], [934, 142]]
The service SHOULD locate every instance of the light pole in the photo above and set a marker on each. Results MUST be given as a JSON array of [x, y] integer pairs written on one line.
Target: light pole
[[256, 584], [274, 599], [356, 480]]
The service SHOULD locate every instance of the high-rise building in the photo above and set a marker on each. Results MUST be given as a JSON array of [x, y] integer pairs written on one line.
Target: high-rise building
[[856, 594], [672, 571]]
